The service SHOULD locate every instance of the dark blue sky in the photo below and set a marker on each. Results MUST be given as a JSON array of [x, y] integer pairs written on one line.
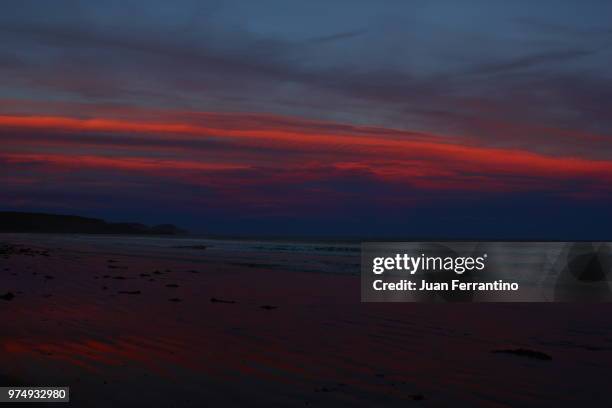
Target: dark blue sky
[[413, 118]]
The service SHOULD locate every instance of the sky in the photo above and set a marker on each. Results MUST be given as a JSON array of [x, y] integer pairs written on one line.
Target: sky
[[437, 119]]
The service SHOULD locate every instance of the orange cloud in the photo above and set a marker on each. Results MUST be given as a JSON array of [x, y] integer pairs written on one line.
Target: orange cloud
[[120, 163], [425, 161]]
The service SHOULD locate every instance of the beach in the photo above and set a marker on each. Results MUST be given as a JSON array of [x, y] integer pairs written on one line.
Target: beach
[[154, 321]]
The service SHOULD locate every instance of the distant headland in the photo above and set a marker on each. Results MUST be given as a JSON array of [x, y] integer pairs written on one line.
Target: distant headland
[[12, 221]]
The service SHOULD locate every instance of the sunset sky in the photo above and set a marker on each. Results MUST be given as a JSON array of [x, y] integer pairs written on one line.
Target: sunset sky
[[321, 118]]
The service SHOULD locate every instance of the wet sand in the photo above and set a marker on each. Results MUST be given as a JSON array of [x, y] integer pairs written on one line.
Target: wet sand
[[135, 325]]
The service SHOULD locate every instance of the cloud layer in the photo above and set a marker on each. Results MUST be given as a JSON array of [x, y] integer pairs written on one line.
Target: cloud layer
[[328, 115]]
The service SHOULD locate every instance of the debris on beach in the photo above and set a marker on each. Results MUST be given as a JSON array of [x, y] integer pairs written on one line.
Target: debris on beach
[[7, 296], [215, 300], [8, 250], [116, 267], [537, 355]]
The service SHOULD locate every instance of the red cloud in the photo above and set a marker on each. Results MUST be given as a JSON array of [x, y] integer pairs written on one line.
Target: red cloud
[[297, 151]]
